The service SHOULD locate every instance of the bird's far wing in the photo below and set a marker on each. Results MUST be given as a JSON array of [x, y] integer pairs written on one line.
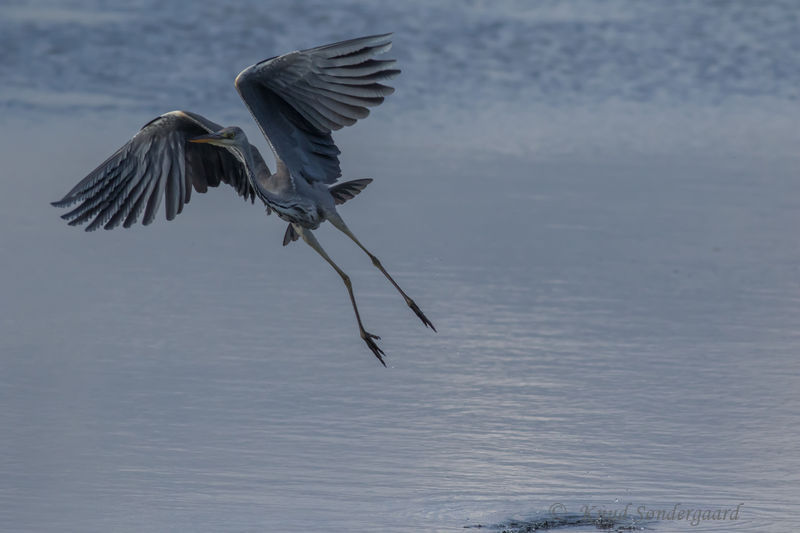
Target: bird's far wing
[[299, 98], [157, 162]]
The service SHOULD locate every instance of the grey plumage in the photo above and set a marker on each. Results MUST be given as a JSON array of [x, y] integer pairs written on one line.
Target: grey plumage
[[341, 192], [348, 190], [157, 162], [297, 99]]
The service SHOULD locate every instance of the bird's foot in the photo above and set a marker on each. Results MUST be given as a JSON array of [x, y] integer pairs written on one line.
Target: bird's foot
[[368, 338], [414, 307]]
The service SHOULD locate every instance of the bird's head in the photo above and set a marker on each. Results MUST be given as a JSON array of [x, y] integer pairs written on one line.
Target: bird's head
[[226, 137]]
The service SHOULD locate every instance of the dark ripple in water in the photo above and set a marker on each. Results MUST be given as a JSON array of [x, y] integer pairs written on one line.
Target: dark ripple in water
[[572, 521]]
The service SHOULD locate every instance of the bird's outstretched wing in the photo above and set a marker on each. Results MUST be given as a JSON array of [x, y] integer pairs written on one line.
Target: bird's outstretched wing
[[157, 162], [299, 98]]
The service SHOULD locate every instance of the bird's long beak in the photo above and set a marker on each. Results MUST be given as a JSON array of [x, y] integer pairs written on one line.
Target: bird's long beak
[[211, 138]]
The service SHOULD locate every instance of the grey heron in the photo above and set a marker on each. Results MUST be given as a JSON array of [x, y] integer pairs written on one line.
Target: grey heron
[[297, 99]]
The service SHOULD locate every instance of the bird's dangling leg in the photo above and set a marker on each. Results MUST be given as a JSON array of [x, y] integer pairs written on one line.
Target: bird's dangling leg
[[337, 221], [369, 338]]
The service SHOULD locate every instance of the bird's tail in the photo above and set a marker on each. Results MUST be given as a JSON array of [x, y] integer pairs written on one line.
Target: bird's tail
[[347, 190]]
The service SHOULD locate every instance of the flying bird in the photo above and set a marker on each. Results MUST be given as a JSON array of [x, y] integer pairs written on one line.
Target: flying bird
[[297, 99]]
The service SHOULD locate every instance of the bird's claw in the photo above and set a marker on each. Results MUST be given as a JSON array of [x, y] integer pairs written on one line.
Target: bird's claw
[[414, 307], [368, 338]]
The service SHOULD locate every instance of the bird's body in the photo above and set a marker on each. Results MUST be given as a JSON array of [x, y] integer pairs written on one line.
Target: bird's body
[[296, 99]]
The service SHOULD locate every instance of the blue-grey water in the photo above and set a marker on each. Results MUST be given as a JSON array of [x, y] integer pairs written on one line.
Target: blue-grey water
[[597, 204]]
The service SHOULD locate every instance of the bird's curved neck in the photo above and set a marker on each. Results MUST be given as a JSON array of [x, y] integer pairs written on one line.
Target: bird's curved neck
[[257, 174]]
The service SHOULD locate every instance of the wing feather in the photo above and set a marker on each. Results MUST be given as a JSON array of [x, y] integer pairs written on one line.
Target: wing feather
[[299, 98], [347, 190], [145, 187], [154, 202], [123, 201], [157, 164], [374, 90], [363, 80], [172, 193], [359, 56]]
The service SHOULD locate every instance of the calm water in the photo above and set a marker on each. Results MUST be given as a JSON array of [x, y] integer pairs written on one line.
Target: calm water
[[595, 202]]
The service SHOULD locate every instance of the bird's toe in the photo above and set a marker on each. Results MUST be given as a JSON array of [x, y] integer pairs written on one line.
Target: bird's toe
[[417, 311], [369, 338]]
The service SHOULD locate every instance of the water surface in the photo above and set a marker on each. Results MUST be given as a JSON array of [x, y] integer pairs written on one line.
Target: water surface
[[595, 203]]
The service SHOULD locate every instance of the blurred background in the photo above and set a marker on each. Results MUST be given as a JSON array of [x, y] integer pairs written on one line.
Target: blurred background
[[595, 202]]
